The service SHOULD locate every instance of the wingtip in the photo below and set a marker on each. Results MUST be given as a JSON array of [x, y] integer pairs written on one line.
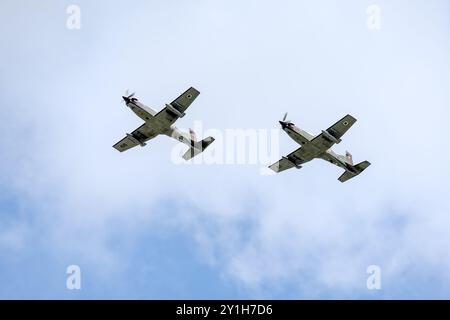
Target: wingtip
[[274, 168], [193, 88]]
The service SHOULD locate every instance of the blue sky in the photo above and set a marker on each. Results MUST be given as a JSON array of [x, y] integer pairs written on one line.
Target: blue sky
[[141, 226]]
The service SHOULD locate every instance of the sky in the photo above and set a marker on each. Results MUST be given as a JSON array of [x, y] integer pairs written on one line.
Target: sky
[[144, 225]]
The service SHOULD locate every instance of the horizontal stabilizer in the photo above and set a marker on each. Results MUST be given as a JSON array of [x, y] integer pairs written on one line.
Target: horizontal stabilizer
[[360, 167], [198, 148], [346, 176], [206, 142], [190, 153]]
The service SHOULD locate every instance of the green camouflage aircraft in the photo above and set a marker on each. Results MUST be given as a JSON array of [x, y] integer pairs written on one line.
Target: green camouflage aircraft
[[161, 122], [320, 147]]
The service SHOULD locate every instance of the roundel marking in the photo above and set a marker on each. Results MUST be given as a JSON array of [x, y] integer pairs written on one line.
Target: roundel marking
[[345, 123], [189, 96]]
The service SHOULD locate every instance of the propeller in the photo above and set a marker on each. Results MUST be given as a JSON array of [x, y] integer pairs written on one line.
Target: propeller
[[127, 97], [285, 122]]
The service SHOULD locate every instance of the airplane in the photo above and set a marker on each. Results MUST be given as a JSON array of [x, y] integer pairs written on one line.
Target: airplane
[[319, 147], [162, 122]]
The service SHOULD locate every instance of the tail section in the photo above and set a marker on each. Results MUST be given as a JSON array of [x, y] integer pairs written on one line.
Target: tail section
[[360, 167], [193, 137], [197, 147], [206, 142], [349, 157], [356, 169]]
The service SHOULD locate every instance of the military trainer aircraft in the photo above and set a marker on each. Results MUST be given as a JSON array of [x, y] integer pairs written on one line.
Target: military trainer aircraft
[[319, 147], [161, 122]]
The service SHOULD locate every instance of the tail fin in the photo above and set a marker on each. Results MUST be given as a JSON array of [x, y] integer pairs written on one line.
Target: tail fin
[[198, 148], [360, 167], [193, 136], [349, 157]]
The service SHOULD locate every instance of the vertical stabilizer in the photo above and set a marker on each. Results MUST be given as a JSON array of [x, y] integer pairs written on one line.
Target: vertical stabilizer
[[349, 157]]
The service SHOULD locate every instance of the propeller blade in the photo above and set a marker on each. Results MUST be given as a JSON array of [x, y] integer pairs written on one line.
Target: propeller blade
[[128, 95], [284, 118]]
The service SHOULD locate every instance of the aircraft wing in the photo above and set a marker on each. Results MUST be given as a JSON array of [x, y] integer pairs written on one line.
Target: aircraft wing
[[137, 137], [333, 134], [184, 100], [282, 165], [176, 108], [293, 160]]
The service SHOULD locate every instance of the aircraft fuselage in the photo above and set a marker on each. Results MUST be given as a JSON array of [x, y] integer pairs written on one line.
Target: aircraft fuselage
[[312, 151], [148, 115]]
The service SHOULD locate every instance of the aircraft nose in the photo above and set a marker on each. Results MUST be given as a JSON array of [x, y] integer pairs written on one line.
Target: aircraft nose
[[126, 99], [283, 124]]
